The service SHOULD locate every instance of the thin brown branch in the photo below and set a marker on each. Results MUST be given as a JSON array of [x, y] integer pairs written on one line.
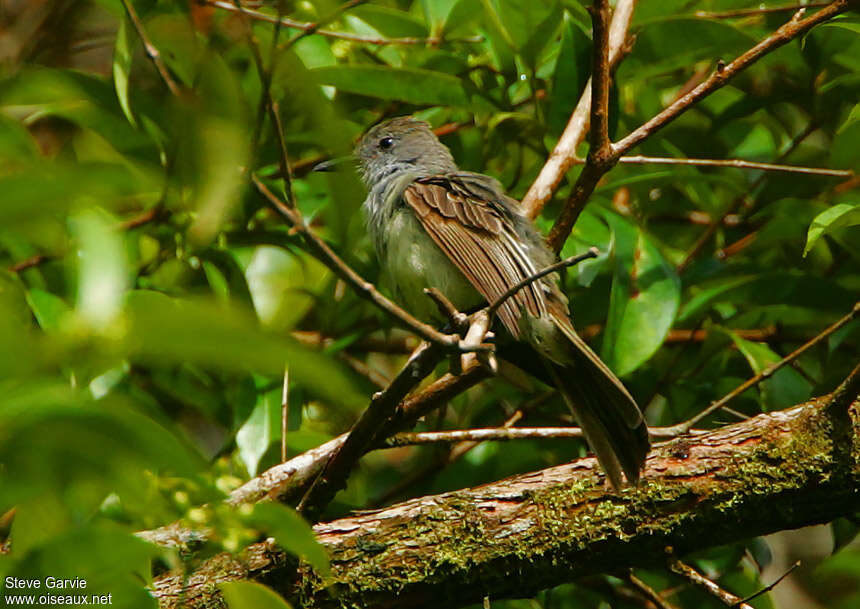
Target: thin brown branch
[[363, 288], [846, 393], [152, 214], [29, 263], [601, 157], [647, 591], [725, 72], [459, 321], [494, 434], [767, 372], [315, 27], [761, 10], [285, 412], [151, 50], [309, 27], [564, 154], [362, 369], [769, 587], [736, 247], [737, 164], [454, 453], [501, 434], [600, 81], [709, 586]]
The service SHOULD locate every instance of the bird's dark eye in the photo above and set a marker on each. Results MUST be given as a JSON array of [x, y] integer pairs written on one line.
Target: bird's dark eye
[[386, 143]]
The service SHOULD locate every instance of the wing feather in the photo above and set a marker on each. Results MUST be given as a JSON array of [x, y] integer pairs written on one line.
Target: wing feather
[[480, 242]]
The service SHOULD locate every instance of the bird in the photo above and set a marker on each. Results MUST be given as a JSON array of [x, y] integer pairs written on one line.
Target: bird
[[435, 226]]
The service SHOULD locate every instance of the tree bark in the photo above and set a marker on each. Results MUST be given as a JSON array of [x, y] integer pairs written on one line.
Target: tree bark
[[511, 538]]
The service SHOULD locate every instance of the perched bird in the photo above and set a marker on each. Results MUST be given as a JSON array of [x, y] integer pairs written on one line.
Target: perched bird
[[434, 226]]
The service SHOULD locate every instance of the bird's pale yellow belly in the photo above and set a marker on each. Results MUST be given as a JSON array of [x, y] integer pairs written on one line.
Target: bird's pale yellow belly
[[413, 262]]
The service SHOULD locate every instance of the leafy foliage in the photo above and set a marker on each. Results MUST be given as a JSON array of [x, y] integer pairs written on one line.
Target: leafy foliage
[[150, 300]]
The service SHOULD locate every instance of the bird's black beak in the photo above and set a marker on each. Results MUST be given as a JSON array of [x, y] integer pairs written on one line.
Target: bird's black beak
[[334, 164]]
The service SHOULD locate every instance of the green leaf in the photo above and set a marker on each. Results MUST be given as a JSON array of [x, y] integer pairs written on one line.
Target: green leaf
[[49, 309], [390, 22], [44, 188], [463, 18], [644, 300], [292, 533], [260, 429], [436, 12], [53, 439], [683, 39], [838, 216], [843, 25], [853, 117], [410, 85], [785, 388], [16, 143], [571, 74], [102, 270], [111, 561], [251, 595], [162, 329], [122, 56], [84, 99], [529, 25], [844, 531], [283, 285]]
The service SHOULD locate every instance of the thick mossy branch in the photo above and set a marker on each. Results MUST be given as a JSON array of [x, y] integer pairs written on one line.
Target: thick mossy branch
[[516, 536]]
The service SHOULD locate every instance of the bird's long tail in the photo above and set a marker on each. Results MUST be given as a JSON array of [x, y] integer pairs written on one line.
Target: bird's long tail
[[608, 415]]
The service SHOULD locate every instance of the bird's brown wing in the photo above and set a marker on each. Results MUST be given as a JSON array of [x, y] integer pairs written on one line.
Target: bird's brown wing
[[478, 238]]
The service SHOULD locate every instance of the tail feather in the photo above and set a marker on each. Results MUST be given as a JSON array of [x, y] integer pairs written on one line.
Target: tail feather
[[603, 414], [608, 415]]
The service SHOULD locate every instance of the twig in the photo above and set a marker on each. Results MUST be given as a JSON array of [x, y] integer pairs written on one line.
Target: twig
[[846, 393], [145, 217], [601, 157], [738, 246], [735, 163], [285, 412], [361, 437], [769, 587], [709, 586], [29, 263], [459, 321], [365, 289], [761, 10], [591, 253], [600, 81], [725, 72], [494, 434], [564, 155], [767, 372], [151, 51], [501, 434], [647, 591], [314, 28], [456, 452]]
